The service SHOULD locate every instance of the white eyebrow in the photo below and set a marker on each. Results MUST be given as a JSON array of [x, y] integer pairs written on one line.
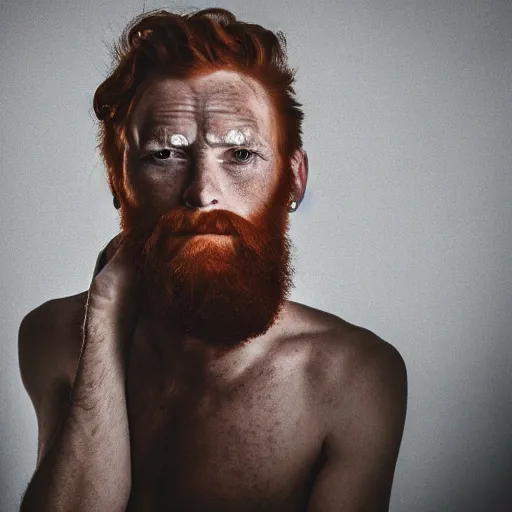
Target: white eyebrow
[[162, 136], [177, 139], [234, 137], [242, 136]]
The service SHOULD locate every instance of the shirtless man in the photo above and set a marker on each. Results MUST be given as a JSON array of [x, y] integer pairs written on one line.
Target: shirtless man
[[183, 379]]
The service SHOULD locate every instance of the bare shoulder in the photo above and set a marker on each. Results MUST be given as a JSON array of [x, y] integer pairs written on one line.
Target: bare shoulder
[[49, 341], [355, 355], [344, 357], [359, 383]]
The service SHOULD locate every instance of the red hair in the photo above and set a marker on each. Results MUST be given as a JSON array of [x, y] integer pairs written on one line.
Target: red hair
[[181, 46]]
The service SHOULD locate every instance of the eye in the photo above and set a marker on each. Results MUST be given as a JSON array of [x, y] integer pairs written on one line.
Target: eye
[[166, 154], [245, 155]]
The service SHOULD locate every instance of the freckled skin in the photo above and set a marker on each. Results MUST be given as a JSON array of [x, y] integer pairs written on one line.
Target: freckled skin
[[307, 413], [235, 431], [213, 104], [219, 290], [240, 432]]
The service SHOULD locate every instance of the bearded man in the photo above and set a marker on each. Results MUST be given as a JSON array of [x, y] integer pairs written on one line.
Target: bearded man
[[184, 379]]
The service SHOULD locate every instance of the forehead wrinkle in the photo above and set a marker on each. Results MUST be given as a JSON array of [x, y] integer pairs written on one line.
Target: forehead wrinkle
[[164, 96], [237, 95], [169, 117], [229, 121], [207, 104], [157, 122], [159, 99], [254, 114], [220, 117], [232, 99]]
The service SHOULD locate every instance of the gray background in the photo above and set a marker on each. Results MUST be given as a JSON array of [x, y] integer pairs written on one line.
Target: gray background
[[405, 228]]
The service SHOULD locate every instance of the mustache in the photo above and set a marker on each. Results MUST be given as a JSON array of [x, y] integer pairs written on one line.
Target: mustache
[[181, 221]]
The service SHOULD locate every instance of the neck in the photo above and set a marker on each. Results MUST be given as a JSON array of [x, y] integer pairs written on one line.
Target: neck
[[199, 361]]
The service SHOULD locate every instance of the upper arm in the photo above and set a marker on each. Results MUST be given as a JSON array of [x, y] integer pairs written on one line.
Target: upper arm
[[365, 421], [43, 372]]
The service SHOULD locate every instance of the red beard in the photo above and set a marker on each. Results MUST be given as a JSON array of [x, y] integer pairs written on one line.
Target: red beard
[[223, 290]]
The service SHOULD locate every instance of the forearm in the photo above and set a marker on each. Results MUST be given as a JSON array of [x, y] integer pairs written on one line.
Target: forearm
[[87, 467]]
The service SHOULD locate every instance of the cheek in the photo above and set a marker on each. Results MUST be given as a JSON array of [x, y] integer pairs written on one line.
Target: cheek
[[155, 186], [155, 190], [249, 197], [253, 190]]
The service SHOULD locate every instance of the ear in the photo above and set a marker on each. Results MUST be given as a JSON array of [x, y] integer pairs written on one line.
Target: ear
[[299, 166]]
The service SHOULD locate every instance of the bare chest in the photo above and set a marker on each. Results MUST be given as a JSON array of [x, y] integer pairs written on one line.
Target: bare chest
[[249, 446]]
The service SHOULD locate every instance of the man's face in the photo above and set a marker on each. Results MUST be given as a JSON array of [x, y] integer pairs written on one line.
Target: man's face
[[205, 201]]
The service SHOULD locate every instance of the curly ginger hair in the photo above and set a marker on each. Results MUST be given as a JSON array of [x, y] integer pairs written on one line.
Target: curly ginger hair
[[182, 46]]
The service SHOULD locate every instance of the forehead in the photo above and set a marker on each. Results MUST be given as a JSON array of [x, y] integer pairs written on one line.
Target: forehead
[[213, 102]]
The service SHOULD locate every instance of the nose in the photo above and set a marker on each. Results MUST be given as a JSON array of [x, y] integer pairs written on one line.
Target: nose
[[195, 205], [202, 192]]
